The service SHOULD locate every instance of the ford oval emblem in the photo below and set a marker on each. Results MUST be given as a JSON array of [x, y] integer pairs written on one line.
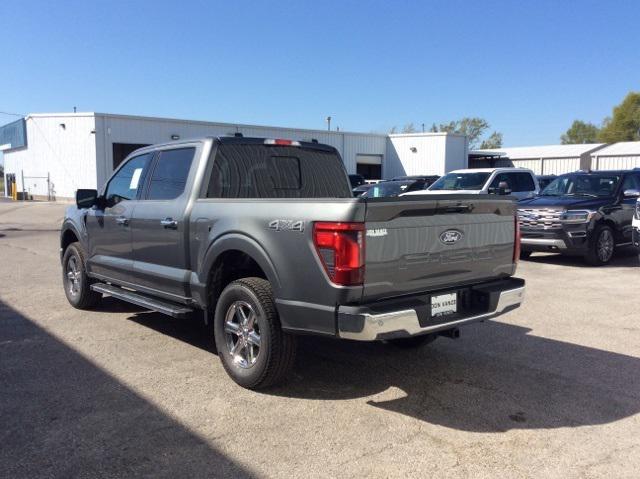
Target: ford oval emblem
[[450, 237]]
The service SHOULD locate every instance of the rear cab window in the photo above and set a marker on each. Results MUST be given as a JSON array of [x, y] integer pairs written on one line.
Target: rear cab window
[[256, 170]]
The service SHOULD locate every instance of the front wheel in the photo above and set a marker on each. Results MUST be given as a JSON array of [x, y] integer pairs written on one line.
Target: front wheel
[[77, 286], [602, 247], [251, 345]]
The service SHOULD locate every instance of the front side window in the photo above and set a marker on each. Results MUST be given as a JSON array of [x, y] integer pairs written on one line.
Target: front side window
[[461, 181], [170, 173], [125, 183], [631, 182], [587, 185]]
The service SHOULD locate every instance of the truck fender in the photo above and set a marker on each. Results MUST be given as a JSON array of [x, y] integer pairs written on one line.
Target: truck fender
[[237, 242]]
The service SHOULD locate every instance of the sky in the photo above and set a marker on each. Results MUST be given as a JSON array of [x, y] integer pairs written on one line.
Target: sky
[[528, 68]]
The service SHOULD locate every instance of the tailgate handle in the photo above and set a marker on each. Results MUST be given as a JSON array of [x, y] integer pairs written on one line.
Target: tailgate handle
[[456, 208]]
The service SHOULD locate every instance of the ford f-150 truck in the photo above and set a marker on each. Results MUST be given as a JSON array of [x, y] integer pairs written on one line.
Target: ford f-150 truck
[[265, 236]]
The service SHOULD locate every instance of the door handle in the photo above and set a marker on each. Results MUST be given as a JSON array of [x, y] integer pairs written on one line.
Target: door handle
[[169, 223], [121, 220]]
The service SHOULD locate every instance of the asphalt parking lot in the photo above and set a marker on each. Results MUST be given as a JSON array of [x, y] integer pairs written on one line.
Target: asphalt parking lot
[[549, 390]]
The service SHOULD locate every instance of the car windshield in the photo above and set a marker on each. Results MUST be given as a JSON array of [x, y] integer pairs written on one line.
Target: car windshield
[[461, 181], [582, 185], [387, 188]]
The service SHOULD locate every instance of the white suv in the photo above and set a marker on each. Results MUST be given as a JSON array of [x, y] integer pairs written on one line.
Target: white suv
[[636, 226], [519, 182]]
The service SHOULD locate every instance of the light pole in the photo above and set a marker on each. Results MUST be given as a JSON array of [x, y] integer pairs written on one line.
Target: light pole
[[328, 123]]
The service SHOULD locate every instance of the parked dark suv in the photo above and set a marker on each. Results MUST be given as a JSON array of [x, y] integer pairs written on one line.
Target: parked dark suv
[[586, 213]]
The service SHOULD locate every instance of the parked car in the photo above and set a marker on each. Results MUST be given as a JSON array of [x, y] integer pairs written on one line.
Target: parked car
[[518, 182], [265, 237], [356, 180], [386, 189], [544, 180], [636, 227], [582, 213], [359, 190], [427, 179]]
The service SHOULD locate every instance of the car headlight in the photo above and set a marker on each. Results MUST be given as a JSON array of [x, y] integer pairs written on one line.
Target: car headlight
[[577, 216]]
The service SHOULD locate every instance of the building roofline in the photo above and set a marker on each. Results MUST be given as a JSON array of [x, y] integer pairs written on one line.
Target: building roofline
[[426, 133], [200, 122]]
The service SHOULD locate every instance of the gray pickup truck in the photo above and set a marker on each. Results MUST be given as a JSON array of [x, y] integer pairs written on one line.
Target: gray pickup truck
[[265, 237]]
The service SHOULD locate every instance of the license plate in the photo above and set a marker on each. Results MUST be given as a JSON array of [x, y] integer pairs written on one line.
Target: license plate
[[444, 304]]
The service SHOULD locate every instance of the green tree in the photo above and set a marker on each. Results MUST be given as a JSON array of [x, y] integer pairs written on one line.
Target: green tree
[[494, 141], [474, 128], [624, 125], [580, 132], [393, 130]]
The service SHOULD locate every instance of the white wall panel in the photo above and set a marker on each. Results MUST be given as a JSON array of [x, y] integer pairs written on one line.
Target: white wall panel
[[66, 153]]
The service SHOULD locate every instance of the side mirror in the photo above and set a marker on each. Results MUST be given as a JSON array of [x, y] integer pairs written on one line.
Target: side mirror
[[631, 193], [86, 198], [502, 189]]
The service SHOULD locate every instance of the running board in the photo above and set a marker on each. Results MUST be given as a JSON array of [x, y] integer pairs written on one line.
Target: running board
[[164, 307]]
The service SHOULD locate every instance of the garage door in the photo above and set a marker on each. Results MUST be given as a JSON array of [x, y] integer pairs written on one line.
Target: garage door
[[369, 166]]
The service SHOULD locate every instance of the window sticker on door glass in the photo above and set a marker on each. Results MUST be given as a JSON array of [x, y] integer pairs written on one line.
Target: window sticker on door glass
[[135, 179]]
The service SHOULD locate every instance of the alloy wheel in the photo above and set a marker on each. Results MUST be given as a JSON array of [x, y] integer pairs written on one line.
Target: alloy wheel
[[242, 334], [74, 276], [605, 245]]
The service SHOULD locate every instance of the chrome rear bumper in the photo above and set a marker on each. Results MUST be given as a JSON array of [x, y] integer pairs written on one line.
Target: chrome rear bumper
[[557, 243], [405, 322]]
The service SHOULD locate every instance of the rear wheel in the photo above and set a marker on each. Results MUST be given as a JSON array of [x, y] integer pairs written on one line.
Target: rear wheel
[[602, 246], [77, 286], [251, 345], [413, 341]]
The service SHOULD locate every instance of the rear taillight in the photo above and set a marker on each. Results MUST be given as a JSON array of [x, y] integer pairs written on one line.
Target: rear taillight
[[516, 241], [340, 247]]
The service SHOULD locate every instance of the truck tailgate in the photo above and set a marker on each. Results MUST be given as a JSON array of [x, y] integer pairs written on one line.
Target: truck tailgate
[[427, 243]]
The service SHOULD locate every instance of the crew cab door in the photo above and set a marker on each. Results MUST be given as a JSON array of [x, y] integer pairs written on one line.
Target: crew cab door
[[159, 226], [624, 215], [109, 227]]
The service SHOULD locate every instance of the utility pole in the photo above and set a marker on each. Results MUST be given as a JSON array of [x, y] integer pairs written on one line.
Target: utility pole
[[328, 123]]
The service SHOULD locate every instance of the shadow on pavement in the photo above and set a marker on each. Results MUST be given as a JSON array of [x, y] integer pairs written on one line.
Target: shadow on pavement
[[62, 416], [495, 378]]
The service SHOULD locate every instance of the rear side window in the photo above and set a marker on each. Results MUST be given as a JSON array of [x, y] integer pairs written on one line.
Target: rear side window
[[524, 182], [263, 171], [170, 172], [515, 181]]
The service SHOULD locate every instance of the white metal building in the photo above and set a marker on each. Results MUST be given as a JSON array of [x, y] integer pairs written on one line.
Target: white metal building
[[548, 159], [58, 153], [618, 156]]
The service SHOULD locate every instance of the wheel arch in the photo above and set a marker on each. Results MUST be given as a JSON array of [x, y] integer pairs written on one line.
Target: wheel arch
[[231, 257]]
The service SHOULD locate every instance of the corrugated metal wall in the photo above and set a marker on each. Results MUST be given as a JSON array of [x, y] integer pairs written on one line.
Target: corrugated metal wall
[[546, 166], [67, 153], [615, 162], [115, 129]]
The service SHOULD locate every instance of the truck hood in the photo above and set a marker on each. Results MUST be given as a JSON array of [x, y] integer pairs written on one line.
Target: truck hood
[[564, 202]]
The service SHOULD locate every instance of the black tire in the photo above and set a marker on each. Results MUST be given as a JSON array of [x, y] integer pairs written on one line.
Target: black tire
[[597, 256], [413, 341], [252, 366], [77, 289], [525, 254]]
